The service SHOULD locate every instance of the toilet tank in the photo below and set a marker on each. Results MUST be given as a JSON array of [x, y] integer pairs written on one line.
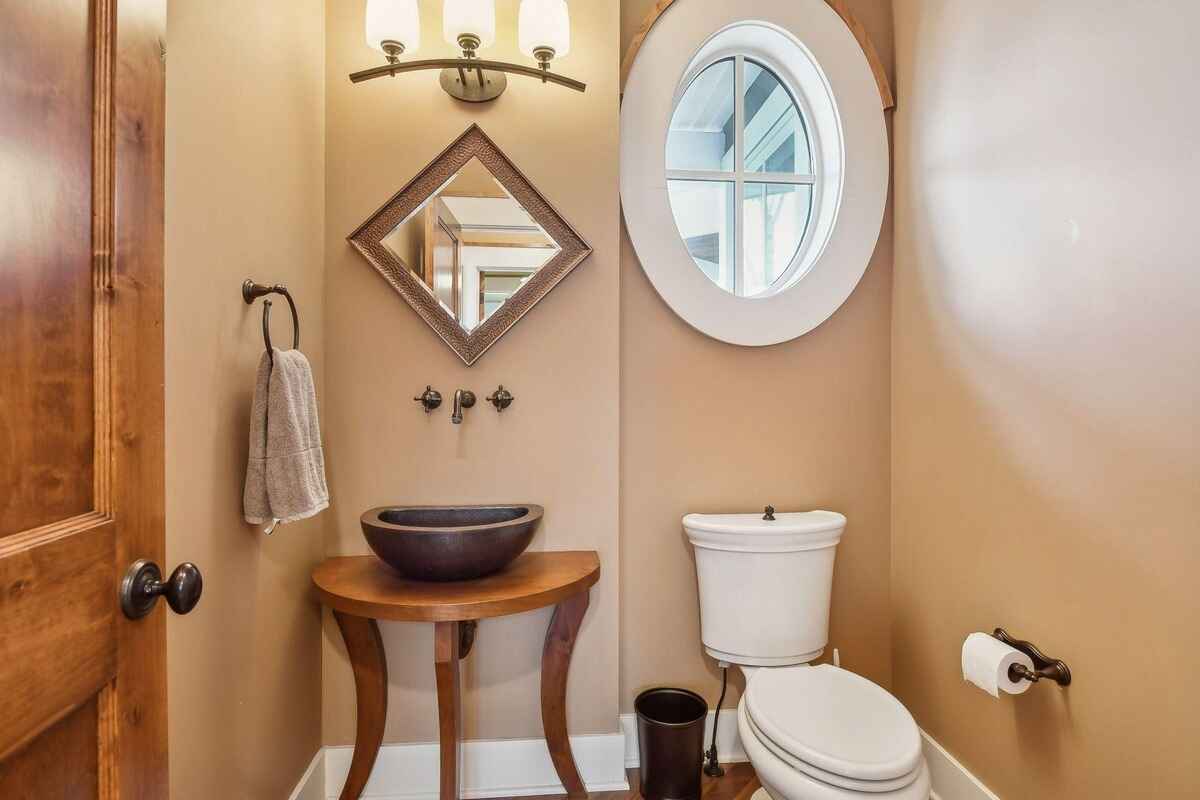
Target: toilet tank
[[765, 584]]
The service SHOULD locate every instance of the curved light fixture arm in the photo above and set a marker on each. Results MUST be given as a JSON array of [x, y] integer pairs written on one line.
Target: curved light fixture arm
[[463, 65]]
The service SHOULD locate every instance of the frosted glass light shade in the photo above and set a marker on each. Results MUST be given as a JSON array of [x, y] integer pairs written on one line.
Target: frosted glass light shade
[[476, 17], [544, 23], [395, 20]]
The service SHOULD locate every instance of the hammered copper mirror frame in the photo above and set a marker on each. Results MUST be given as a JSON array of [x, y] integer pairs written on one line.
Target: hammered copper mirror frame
[[368, 240]]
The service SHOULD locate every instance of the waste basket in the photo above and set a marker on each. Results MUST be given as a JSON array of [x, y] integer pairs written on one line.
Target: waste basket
[[670, 742]]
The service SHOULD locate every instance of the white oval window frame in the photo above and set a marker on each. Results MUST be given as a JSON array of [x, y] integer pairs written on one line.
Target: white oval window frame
[[846, 224]]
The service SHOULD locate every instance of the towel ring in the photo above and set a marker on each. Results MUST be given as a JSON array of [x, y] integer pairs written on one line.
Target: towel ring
[[251, 291]]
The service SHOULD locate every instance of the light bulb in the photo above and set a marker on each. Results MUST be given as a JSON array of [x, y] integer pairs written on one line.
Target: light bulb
[[471, 18], [393, 26], [544, 29]]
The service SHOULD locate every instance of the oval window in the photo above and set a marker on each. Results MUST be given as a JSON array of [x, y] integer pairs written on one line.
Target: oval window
[[740, 175], [754, 168]]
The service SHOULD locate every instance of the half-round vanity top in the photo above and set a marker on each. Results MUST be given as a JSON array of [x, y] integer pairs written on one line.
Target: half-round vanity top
[[836, 721], [364, 587]]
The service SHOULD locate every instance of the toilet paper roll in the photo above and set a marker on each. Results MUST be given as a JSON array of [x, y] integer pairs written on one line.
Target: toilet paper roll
[[985, 663]]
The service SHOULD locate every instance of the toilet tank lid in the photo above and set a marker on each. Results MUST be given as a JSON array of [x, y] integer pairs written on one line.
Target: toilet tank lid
[[787, 522]]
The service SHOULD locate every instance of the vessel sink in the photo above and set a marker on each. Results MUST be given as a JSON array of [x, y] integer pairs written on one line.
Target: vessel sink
[[450, 543]]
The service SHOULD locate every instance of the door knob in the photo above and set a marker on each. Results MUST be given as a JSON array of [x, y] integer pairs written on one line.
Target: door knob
[[143, 584]]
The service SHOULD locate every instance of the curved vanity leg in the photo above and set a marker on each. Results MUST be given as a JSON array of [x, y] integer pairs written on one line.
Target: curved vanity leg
[[556, 660], [369, 662], [446, 654]]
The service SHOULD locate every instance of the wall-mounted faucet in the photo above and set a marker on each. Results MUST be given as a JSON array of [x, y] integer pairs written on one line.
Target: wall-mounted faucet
[[463, 398]]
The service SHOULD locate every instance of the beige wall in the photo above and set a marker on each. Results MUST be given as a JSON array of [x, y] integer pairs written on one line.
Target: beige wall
[[1046, 381], [1041, 439], [707, 426], [244, 197], [557, 445]]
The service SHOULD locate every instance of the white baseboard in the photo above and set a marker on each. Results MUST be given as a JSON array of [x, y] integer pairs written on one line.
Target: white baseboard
[[729, 744], [312, 783], [522, 767], [951, 780], [489, 768]]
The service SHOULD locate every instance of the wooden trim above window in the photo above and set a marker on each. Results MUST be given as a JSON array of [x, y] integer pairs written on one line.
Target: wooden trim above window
[[886, 97]]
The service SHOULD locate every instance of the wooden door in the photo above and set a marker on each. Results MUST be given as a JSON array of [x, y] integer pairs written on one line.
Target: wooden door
[[442, 257], [82, 688], [445, 267]]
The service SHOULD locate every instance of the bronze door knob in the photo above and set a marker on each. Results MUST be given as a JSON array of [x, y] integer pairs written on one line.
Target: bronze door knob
[[143, 584]]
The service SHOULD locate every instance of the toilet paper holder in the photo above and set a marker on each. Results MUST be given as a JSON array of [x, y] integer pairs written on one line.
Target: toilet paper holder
[[1044, 667]]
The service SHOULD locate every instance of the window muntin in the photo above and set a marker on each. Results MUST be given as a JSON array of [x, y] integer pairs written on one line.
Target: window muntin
[[740, 175]]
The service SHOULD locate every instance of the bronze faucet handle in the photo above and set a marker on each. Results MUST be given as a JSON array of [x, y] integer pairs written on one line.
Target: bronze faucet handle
[[769, 513], [501, 398], [430, 398]]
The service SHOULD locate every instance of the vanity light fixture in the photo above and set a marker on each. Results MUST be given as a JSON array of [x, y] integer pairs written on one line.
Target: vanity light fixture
[[544, 30], [544, 33], [470, 24], [393, 26]]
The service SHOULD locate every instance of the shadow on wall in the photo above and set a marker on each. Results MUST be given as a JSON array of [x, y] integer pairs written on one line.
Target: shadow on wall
[[1045, 390]]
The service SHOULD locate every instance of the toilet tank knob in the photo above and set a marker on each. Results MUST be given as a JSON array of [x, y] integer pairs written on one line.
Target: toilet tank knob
[[769, 513]]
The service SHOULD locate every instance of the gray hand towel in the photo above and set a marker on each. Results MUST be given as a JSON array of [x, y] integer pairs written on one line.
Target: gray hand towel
[[285, 474]]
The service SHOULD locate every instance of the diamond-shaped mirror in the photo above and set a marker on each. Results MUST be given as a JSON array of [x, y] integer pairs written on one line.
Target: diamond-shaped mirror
[[470, 244]]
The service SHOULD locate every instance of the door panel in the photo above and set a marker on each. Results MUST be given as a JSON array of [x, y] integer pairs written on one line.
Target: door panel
[[46, 434], [37, 772], [58, 620], [82, 688]]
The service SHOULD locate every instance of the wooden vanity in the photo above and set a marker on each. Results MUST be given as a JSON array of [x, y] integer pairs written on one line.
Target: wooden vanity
[[361, 590]]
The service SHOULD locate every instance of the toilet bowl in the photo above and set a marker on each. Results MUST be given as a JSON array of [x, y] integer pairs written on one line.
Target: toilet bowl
[[811, 732]]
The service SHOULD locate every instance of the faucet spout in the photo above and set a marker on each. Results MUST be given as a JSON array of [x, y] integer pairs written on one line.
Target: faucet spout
[[463, 398]]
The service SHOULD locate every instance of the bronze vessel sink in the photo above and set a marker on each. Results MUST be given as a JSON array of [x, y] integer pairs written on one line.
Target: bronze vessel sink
[[450, 543]]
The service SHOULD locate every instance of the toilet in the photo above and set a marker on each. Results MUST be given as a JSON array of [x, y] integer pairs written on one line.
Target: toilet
[[811, 732]]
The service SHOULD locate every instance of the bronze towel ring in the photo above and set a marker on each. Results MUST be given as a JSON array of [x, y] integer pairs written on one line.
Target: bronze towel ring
[[251, 291]]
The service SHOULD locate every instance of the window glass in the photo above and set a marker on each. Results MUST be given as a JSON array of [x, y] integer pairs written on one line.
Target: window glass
[[775, 218], [776, 140], [702, 134], [705, 215], [764, 176]]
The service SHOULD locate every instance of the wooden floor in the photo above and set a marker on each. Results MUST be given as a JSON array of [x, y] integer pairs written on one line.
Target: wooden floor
[[737, 784]]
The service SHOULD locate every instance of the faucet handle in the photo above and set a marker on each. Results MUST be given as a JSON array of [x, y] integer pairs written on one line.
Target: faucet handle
[[501, 398], [430, 398]]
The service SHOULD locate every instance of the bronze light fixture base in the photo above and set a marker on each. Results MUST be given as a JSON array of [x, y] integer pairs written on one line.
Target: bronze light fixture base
[[469, 43], [476, 85], [392, 50], [469, 78], [473, 85], [543, 56]]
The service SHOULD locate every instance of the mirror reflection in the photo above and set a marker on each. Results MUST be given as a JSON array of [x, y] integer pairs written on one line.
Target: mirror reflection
[[471, 244]]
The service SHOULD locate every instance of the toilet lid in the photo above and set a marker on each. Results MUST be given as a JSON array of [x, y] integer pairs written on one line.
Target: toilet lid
[[836, 721]]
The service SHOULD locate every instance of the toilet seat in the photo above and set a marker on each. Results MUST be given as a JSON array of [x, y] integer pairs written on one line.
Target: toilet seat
[[837, 727], [821, 776]]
